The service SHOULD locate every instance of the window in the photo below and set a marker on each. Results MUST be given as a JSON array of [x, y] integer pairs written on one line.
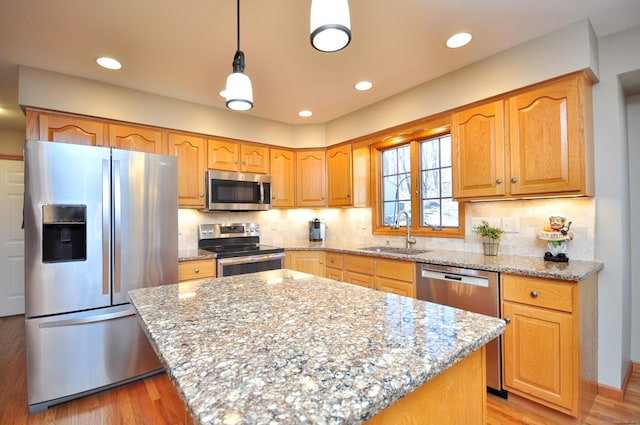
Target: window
[[414, 176]]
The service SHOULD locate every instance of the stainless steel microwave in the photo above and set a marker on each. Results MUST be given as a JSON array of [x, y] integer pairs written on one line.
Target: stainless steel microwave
[[229, 191]]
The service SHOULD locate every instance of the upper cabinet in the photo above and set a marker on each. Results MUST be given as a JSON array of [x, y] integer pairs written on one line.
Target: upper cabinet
[[192, 163], [535, 142], [478, 151], [339, 173], [311, 178], [138, 139], [228, 155], [65, 128], [283, 178], [549, 140]]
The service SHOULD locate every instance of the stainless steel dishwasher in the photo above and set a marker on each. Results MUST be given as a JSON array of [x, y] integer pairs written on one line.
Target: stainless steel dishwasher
[[477, 291]]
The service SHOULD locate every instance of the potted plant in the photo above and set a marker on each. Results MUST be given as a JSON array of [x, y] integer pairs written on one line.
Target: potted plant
[[490, 237]]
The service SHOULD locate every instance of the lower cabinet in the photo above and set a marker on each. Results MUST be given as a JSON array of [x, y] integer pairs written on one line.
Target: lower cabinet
[[311, 262], [550, 345], [196, 269], [382, 274]]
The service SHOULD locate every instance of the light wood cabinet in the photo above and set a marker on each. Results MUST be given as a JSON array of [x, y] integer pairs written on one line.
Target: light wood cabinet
[[537, 141], [334, 266], [283, 178], [550, 344], [398, 277], [311, 178], [140, 139], [191, 153], [478, 150], [196, 269], [311, 262], [548, 138], [339, 175], [228, 155], [66, 129]]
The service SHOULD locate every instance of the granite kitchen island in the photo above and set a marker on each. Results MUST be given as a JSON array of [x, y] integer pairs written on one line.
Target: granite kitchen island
[[282, 347]]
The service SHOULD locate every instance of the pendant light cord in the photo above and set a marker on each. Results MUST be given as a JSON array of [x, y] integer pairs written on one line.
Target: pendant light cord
[[238, 24]]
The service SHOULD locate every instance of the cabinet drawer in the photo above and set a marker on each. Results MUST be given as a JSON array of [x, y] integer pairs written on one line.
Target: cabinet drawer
[[358, 263], [398, 270], [399, 287], [547, 293], [196, 269], [359, 279], [334, 260], [335, 274]]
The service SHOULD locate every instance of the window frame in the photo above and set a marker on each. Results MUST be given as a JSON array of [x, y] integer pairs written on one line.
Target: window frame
[[432, 128]]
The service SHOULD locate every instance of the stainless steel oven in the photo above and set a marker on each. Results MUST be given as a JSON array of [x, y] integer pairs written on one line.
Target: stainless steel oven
[[477, 291], [238, 249]]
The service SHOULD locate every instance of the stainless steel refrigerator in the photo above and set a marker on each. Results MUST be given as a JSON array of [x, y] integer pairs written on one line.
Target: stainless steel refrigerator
[[98, 222]]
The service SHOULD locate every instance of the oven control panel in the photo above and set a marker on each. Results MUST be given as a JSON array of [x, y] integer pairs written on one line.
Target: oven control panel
[[227, 230]]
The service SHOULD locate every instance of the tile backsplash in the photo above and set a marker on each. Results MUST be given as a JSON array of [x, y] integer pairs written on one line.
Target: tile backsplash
[[352, 226]]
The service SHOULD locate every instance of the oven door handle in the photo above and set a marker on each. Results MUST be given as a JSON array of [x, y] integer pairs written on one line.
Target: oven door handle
[[249, 259]]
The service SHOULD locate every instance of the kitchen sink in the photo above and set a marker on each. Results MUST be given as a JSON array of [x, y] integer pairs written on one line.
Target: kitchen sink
[[394, 250]]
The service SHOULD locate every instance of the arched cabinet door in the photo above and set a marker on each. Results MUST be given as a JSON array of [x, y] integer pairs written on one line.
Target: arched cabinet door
[[191, 153]]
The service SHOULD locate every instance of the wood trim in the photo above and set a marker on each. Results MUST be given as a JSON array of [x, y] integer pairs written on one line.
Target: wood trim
[[11, 157], [617, 394]]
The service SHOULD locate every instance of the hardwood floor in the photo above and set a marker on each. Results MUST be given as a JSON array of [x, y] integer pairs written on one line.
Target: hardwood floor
[[154, 401]]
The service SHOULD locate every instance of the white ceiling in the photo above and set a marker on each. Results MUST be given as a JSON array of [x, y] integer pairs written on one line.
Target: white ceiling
[[184, 49]]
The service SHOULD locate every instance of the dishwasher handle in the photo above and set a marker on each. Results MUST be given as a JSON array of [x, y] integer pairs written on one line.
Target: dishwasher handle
[[447, 277]]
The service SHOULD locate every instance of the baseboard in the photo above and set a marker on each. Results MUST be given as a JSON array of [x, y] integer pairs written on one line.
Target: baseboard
[[617, 394]]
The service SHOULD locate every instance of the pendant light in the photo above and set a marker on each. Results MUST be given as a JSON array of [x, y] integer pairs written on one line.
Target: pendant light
[[239, 93], [330, 25]]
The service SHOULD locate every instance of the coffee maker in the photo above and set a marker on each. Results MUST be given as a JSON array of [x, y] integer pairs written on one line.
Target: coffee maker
[[316, 230]]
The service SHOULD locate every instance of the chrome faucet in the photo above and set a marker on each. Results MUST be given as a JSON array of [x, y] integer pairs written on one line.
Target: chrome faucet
[[410, 240]]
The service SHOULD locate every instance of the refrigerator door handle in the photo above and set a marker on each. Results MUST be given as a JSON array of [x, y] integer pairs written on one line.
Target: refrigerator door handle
[[117, 227], [106, 229], [87, 319]]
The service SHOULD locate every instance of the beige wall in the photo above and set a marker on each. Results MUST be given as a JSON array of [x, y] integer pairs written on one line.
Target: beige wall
[[11, 142]]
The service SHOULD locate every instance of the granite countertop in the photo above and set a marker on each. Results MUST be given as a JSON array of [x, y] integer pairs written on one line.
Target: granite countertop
[[283, 347], [574, 270]]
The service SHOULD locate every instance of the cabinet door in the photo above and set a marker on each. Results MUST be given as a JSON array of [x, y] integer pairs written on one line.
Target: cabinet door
[[196, 269], [67, 129], [539, 354], [254, 159], [478, 149], [359, 279], [339, 176], [311, 181], [394, 286], [311, 262], [283, 178], [191, 155], [138, 139], [546, 139], [223, 155], [335, 274]]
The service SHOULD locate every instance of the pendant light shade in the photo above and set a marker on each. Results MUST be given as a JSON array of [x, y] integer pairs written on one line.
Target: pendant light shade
[[239, 93], [330, 25]]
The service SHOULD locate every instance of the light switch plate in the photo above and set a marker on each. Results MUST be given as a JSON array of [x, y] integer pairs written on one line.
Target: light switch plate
[[511, 224]]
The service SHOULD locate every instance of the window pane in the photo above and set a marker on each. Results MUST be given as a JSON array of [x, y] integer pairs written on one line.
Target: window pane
[[389, 215], [430, 154], [390, 186], [431, 184], [445, 151], [431, 213], [450, 213], [447, 184], [404, 159], [389, 162]]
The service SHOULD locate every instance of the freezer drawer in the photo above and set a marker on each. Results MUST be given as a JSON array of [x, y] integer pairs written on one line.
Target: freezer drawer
[[71, 355]]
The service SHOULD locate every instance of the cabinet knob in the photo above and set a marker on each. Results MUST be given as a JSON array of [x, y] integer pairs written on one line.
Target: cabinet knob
[[348, 196], [507, 320], [197, 270], [235, 162], [321, 262], [534, 294], [499, 181], [273, 198], [333, 261], [514, 180], [202, 195]]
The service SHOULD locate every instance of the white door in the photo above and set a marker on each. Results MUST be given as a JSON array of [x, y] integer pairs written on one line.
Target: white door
[[11, 238]]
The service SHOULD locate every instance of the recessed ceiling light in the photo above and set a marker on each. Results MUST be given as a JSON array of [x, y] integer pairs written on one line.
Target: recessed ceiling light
[[363, 85], [305, 113], [459, 40], [109, 63]]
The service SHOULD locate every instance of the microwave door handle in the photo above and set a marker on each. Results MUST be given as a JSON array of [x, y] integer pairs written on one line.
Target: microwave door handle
[[261, 192]]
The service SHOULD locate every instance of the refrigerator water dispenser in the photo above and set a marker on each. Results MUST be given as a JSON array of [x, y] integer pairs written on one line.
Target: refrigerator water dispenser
[[64, 233]]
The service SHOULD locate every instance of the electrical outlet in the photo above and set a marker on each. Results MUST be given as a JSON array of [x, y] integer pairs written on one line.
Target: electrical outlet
[[511, 224]]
